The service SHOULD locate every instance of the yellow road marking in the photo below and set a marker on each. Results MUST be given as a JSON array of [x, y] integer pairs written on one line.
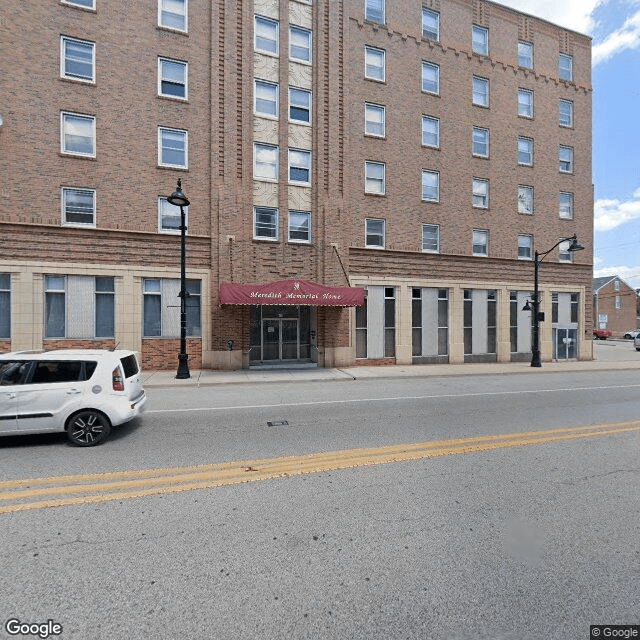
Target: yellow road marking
[[41, 493]]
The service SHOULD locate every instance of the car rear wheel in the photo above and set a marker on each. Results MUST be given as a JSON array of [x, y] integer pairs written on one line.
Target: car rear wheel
[[88, 428]]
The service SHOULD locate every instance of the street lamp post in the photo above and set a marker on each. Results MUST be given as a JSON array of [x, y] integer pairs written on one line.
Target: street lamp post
[[535, 299], [178, 199]]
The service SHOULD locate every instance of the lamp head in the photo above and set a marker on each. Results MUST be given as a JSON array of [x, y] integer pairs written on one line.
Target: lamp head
[[527, 306], [178, 198], [575, 245]]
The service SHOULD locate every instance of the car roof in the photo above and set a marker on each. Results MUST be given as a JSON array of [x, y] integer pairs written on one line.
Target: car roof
[[66, 354]]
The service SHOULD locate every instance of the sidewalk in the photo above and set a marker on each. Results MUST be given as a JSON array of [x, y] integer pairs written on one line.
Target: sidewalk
[[610, 355]]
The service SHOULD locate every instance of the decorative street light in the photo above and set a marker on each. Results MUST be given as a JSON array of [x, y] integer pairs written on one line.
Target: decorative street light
[[537, 315], [178, 199]]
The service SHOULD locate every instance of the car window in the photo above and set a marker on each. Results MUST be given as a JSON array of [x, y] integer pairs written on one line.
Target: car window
[[130, 365], [56, 372], [13, 371]]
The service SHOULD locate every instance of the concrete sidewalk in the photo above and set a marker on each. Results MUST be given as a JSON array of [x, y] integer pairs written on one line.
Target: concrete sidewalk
[[610, 355]]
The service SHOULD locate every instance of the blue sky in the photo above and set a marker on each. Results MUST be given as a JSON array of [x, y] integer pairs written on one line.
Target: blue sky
[[614, 26]]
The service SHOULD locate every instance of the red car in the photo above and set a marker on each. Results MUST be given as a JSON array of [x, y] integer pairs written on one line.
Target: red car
[[601, 334]]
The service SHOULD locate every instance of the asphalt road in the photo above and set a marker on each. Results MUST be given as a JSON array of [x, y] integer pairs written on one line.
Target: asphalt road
[[522, 541]]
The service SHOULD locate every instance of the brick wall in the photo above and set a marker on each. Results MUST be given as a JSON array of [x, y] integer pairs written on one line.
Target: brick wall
[[48, 345], [162, 354]]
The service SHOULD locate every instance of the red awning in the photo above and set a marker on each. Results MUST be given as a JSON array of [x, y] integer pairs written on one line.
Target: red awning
[[291, 292]]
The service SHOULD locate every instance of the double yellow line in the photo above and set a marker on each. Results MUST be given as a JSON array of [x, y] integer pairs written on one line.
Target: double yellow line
[[42, 493]]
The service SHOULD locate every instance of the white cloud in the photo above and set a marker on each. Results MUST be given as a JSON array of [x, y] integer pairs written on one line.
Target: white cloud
[[626, 37], [631, 275], [609, 214], [572, 14]]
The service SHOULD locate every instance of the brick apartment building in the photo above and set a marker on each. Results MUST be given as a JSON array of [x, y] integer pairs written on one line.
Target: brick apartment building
[[381, 170], [614, 305]]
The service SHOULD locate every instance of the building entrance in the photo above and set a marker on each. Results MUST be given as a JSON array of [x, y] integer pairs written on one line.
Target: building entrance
[[280, 335], [565, 344]]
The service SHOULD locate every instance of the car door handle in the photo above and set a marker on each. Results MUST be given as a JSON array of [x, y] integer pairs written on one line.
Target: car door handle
[[11, 396], [74, 392]]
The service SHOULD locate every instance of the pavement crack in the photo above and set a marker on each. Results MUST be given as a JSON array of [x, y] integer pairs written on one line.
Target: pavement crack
[[599, 475]]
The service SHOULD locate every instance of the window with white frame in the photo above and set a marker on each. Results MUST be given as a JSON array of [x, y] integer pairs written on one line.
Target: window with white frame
[[430, 186], [430, 24], [565, 156], [78, 134], [55, 288], [266, 35], [525, 55], [480, 92], [172, 14], [480, 142], [265, 223], [299, 226], [374, 10], [525, 103], [105, 305], [266, 99], [430, 131], [565, 67], [480, 242], [374, 63], [430, 238], [77, 59], [618, 302], [525, 247], [299, 105], [85, 4], [5, 306], [480, 193], [525, 151], [374, 178], [566, 113], [525, 199], [566, 205], [299, 44], [172, 78], [480, 40], [172, 148], [374, 233], [430, 78], [78, 206], [374, 120], [161, 314], [564, 255], [169, 216], [265, 162], [299, 166]]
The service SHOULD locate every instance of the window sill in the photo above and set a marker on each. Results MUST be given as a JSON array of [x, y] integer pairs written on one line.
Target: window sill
[[169, 167], [178, 32], [173, 98]]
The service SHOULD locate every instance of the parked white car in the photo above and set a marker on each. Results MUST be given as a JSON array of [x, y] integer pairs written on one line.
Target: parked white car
[[636, 343], [83, 392], [634, 333]]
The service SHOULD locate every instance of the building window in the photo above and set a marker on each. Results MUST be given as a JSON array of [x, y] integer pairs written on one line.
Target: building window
[[525, 55], [430, 322], [430, 238], [430, 24], [161, 317], [616, 285], [564, 254], [430, 186], [265, 162], [265, 223], [172, 148], [389, 322], [618, 302], [266, 35], [77, 59], [299, 44], [566, 206], [172, 14], [480, 193], [525, 103], [374, 233], [374, 120], [78, 134], [300, 167], [480, 40], [105, 307], [87, 4], [5, 306], [265, 99], [430, 78], [172, 78], [566, 159], [566, 113], [480, 92], [79, 206], [299, 106], [374, 10], [565, 67], [480, 142], [480, 242], [525, 200], [374, 64], [430, 131], [169, 216], [54, 306], [374, 178], [361, 330], [525, 247], [525, 151], [299, 226]]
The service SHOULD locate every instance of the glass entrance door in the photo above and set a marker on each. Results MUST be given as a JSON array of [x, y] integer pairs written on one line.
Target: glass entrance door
[[566, 344], [280, 339]]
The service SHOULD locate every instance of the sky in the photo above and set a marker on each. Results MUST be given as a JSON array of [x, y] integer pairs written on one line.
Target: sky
[[614, 26]]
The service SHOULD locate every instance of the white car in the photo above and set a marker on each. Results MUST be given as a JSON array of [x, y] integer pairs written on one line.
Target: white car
[[81, 391], [636, 343]]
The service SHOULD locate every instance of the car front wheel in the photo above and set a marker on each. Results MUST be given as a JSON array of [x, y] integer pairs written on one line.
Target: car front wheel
[[88, 428]]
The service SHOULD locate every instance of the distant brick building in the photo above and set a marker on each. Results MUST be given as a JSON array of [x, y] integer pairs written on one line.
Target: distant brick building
[[614, 305], [422, 151]]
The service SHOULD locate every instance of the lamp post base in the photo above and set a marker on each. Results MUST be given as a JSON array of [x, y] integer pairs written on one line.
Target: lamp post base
[[183, 367], [535, 360]]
